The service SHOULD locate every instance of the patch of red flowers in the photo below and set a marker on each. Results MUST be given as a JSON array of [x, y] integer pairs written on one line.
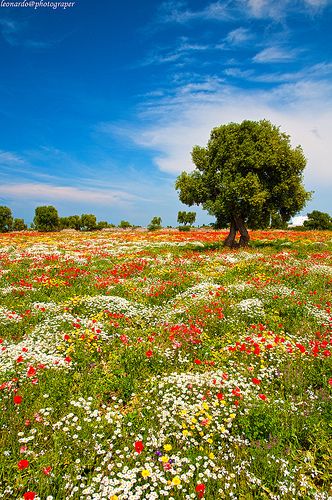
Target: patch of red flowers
[[200, 489], [262, 396], [23, 464], [29, 495], [139, 446]]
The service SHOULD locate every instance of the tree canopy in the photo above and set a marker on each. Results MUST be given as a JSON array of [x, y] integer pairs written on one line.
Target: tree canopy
[[155, 224], [46, 218], [318, 220], [6, 219], [247, 173], [186, 217]]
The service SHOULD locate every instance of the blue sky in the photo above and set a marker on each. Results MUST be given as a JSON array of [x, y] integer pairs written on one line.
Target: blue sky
[[102, 102]]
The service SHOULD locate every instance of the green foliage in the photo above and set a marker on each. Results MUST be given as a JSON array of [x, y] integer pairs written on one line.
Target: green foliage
[[19, 225], [186, 217], [88, 222], [318, 220], [124, 224], [155, 224], [248, 170], [46, 219], [6, 219], [102, 224], [74, 222]]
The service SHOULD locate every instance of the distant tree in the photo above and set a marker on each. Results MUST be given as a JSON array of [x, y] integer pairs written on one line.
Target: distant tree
[[102, 224], [124, 224], [74, 222], [88, 222], [46, 219], [246, 172], [155, 224], [63, 223], [277, 222], [19, 225], [318, 220], [6, 219], [186, 217]]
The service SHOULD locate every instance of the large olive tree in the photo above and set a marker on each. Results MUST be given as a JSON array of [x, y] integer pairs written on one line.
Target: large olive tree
[[246, 174]]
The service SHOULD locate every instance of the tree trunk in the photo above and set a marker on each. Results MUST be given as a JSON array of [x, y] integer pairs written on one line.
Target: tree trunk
[[237, 224], [244, 238], [230, 240]]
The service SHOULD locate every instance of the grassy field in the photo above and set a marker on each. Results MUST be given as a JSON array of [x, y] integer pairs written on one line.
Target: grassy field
[[161, 365]]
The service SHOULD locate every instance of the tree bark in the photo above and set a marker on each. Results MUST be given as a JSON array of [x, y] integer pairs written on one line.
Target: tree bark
[[230, 240], [244, 238], [237, 224]]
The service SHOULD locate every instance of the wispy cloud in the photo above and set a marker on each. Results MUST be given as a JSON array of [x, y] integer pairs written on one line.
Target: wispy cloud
[[275, 54], [8, 158], [317, 71], [238, 36], [177, 12], [231, 10], [50, 193], [19, 34]]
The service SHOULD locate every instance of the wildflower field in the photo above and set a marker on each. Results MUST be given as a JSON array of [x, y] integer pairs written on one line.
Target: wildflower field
[[161, 365]]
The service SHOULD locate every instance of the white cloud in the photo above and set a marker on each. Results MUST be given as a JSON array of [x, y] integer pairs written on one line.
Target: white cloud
[[7, 158], [178, 12], [238, 36], [298, 220], [275, 54], [46, 193]]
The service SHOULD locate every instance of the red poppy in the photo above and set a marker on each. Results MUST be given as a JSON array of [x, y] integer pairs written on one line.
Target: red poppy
[[330, 381], [139, 446], [255, 381], [29, 495], [200, 489], [148, 354], [301, 347], [197, 361], [262, 396], [31, 371], [23, 464], [47, 470], [67, 359], [18, 399]]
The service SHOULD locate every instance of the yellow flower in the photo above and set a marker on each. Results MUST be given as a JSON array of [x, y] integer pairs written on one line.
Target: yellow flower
[[145, 473], [232, 415], [211, 455], [185, 432], [114, 497], [167, 447], [176, 481], [164, 459]]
